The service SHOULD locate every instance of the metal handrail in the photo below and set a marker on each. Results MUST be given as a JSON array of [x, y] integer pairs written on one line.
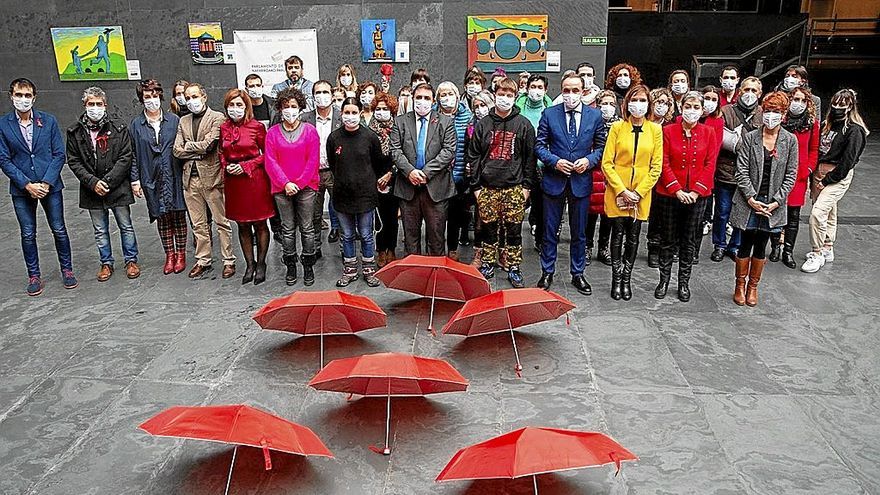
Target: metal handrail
[[833, 30]]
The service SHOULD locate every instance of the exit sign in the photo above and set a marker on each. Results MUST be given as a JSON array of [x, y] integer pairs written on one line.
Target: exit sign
[[594, 40]]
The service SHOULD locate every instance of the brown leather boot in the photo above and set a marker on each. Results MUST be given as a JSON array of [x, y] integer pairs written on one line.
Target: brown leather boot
[[755, 271], [742, 270]]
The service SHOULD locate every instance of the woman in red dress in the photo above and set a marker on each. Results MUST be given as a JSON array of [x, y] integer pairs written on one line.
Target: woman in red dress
[[248, 193]]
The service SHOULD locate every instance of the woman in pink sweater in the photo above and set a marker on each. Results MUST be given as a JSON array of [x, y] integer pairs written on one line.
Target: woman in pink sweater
[[292, 159]]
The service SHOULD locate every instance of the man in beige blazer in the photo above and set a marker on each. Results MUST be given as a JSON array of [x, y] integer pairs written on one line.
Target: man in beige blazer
[[196, 144]]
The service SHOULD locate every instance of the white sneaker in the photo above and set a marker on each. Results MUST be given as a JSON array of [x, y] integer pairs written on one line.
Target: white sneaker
[[814, 262], [828, 254], [707, 227]]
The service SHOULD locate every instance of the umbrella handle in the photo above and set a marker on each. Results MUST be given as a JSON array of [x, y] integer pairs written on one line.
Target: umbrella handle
[[387, 450], [322, 337], [431, 318], [518, 368], [231, 465], [535, 483]]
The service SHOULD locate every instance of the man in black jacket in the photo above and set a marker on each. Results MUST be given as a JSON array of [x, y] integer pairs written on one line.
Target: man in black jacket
[[502, 158], [99, 154]]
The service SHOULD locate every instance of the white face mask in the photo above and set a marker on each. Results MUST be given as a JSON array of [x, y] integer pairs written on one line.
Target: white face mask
[[152, 104], [195, 105], [22, 104], [504, 103], [345, 80], [181, 100], [748, 99], [255, 92], [772, 119], [637, 109], [422, 107], [447, 101], [289, 114], [367, 99], [790, 82], [235, 113], [382, 115], [680, 88], [608, 111], [536, 95], [728, 84], [797, 107], [473, 89], [660, 109], [350, 120], [571, 100], [691, 115], [481, 112], [323, 100], [622, 82], [589, 98], [95, 113], [709, 106]]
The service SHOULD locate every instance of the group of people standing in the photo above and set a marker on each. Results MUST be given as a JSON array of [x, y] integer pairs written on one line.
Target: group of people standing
[[687, 161]]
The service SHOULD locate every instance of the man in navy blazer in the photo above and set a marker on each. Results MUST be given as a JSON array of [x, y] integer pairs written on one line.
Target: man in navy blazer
[[571, 139], [32, 156]]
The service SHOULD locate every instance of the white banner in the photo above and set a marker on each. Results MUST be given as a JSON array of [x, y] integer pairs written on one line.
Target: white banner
[[264, 53]]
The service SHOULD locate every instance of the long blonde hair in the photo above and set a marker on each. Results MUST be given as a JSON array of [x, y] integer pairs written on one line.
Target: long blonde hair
[[354, 80], [845, 97]]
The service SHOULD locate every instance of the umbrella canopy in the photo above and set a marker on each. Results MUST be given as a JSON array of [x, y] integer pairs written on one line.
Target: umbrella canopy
[[434, 276], [321, 313], [387, 375], [531, 451], [505, 309]]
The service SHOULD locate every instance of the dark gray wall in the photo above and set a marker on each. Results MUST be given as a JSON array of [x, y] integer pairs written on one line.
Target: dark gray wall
[[155, 33]]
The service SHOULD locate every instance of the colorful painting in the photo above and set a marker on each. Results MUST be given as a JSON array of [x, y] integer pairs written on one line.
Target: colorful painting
[[377, 40], [90, 53], [513, 42], [206, 42]]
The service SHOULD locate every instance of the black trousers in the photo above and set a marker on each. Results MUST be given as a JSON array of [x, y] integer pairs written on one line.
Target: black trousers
[[654, 235], [459, 217], [421, 208], [536, 211], [386, 239], [604, 230], [791, 228], [753, 243], [680, 227]]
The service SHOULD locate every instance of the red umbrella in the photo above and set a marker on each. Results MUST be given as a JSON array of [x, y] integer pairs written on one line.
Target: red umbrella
[[389, 374], [321, 313], [532, 451], [434, 277], [238, 425], [504, 310]]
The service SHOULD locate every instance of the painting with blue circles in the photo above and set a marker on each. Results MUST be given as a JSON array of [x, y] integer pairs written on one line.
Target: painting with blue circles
[[512, 42], [377, 40]]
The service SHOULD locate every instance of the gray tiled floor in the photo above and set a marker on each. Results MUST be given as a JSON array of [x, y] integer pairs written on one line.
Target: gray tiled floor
[[714, 398]]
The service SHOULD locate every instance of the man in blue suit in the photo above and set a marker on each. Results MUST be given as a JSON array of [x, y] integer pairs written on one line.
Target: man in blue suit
[[571, 139], [32, 155]]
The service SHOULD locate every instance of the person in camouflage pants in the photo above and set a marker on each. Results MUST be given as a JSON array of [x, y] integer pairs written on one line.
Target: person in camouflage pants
[[502, 210]]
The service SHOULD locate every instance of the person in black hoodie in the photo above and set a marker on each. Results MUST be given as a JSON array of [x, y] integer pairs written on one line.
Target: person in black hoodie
[[99, 154], [502, 154]]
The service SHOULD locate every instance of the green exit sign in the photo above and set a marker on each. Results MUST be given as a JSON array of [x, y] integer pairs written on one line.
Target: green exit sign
[[594, 40]]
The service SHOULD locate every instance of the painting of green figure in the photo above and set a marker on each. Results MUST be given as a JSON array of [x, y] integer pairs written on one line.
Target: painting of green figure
[[90, 53]]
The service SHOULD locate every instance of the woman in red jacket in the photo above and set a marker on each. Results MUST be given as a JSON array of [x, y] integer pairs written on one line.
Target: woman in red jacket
[[802, 122], [248, 194], [606, 101], [689, 154]]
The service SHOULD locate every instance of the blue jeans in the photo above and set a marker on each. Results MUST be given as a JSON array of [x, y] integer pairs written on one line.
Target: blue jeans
[[363, 222], [334, 217], [26, 212], [101, 223], [723, 203]]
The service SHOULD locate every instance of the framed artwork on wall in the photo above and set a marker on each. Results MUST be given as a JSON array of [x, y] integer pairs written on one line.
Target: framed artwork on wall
[[90, 53], [206, 42], [378, 37], [512, 42]]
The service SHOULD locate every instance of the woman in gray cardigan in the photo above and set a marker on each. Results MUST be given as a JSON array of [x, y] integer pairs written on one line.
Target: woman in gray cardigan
[[766, 169]]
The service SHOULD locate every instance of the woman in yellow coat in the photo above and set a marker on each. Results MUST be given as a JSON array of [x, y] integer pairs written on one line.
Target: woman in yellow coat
[[632, 162]]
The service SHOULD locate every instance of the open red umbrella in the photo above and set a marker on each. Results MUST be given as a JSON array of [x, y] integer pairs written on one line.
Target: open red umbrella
[[532, 451], [389, 375], [238, 425], [434, 277], [321, 313], [504, 310]]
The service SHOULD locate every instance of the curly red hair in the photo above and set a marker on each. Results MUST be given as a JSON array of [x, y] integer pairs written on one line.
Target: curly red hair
[[388, 99], [776, 101], [635, 77]]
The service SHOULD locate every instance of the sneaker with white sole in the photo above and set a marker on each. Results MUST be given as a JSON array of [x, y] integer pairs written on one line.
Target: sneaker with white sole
[[814, 262], [828, 254]]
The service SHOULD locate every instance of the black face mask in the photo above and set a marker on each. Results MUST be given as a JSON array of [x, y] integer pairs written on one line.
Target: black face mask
[[838, 113]]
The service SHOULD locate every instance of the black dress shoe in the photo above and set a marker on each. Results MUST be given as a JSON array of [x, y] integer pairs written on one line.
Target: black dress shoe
[[788, 259], [775, 253], [717, 255], [545, 281], [580, 283]]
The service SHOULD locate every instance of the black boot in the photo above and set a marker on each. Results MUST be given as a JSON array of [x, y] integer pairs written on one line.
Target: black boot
[[290, 261], [791, 232], [308, 261], [665, 274], [629, 258], [775, 248], [654, 256], [616, 259], [684, 278]]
